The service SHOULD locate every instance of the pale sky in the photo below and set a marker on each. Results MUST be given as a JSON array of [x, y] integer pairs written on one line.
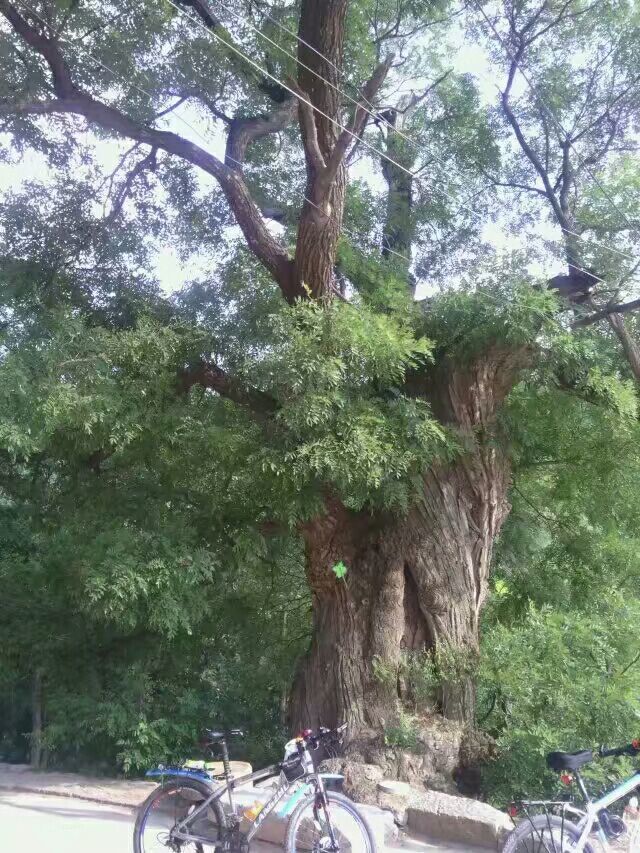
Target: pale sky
[[173, 272]]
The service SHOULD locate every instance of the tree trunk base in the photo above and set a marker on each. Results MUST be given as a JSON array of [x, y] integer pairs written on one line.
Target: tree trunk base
[[396, 638], [445, 757], [431, 761]]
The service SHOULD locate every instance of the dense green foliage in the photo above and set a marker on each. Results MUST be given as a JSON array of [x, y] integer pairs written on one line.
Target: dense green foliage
[[562, 668]]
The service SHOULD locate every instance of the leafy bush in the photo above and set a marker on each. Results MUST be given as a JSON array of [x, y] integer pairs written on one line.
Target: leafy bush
[[558, 681], [403, 734]]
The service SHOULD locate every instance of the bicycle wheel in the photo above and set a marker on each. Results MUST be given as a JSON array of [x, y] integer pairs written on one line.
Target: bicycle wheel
[[544, 834], [309, 831], [165, 807]]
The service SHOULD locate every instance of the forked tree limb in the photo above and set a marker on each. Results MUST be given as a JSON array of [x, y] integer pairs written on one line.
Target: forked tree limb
[[147, 163], [324, 171], [208, 375], [618, 308], [72, 100], [350, 136]]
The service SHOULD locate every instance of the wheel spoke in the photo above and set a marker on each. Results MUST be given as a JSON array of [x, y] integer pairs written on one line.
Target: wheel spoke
[[313, 830], [169, 808]]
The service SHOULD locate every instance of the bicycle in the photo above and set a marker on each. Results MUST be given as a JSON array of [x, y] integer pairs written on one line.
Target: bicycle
[[185, 812], [564, 827]]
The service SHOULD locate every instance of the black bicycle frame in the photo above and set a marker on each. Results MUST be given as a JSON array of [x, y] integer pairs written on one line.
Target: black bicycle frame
[[180, 830]]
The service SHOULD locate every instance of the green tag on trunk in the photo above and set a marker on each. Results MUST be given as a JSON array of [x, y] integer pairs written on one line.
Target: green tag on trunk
[[340, 570]]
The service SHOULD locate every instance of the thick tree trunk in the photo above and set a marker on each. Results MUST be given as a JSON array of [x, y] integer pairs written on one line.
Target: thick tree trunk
[[399, 226], [413, 583], [322, 32], [36, 719]]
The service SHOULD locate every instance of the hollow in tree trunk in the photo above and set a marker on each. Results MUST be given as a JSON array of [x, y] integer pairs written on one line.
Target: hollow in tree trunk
[[416, 582]]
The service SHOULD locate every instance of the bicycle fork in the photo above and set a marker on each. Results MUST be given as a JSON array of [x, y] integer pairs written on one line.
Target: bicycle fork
[[322, 802]]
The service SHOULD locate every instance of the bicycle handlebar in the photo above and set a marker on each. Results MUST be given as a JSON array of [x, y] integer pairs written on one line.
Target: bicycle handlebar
[[632, 748], [314, 739]]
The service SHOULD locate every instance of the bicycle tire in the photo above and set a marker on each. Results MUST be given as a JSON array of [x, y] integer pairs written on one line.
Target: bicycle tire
[[173, 785], [338, 799], [516, 841]]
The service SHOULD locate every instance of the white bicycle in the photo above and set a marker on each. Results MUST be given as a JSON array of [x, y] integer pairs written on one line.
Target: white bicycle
[[564, 827]]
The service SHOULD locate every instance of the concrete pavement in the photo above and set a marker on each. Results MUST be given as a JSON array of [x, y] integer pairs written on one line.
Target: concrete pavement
[[33, 822]]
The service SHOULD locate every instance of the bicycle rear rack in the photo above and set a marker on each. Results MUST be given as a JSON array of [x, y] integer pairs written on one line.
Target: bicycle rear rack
[[550, 808]]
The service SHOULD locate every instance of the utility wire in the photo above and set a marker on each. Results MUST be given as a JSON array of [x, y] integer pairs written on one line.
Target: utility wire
[[201, 136], [372, 148], [377, 116], [486, 294], [312, 106], [119, 77], [279, 82], [194, 130], [358, 102], [319, 111], [270, 76]]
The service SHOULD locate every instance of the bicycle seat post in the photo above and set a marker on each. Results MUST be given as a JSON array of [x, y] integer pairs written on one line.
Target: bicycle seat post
[[227, 772], [582, 787]]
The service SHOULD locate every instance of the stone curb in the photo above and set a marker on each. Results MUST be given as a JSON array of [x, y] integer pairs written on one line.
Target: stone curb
[[71, 795], [457, 819], [428, 813]]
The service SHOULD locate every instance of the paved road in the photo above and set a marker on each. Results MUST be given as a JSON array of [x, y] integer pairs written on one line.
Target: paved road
[[34, 823]]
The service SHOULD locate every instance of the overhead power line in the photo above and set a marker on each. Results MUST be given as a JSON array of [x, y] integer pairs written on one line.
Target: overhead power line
[[122, 80], [375, 115], [266, 73], [306, 101]]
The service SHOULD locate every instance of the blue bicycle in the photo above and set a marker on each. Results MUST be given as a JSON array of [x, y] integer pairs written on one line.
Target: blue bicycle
[[185, 813]]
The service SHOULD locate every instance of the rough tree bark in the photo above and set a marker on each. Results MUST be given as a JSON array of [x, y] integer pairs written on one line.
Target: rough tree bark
[[413, 583], [321, 27], [327, 143]]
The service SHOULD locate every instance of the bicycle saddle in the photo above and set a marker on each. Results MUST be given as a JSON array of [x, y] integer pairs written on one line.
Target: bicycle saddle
[[568, 760], [216, 736]]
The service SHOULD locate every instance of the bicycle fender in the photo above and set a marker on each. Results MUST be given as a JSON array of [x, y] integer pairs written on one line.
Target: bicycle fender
[[173, 772]]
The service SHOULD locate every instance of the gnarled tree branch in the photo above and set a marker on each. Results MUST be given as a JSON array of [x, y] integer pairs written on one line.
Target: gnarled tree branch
[[619, 308], [244, 131], [148, 162], [209, 375], [71, 100]]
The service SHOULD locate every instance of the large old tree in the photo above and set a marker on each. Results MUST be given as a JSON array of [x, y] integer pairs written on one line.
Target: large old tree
[[364, 421]]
